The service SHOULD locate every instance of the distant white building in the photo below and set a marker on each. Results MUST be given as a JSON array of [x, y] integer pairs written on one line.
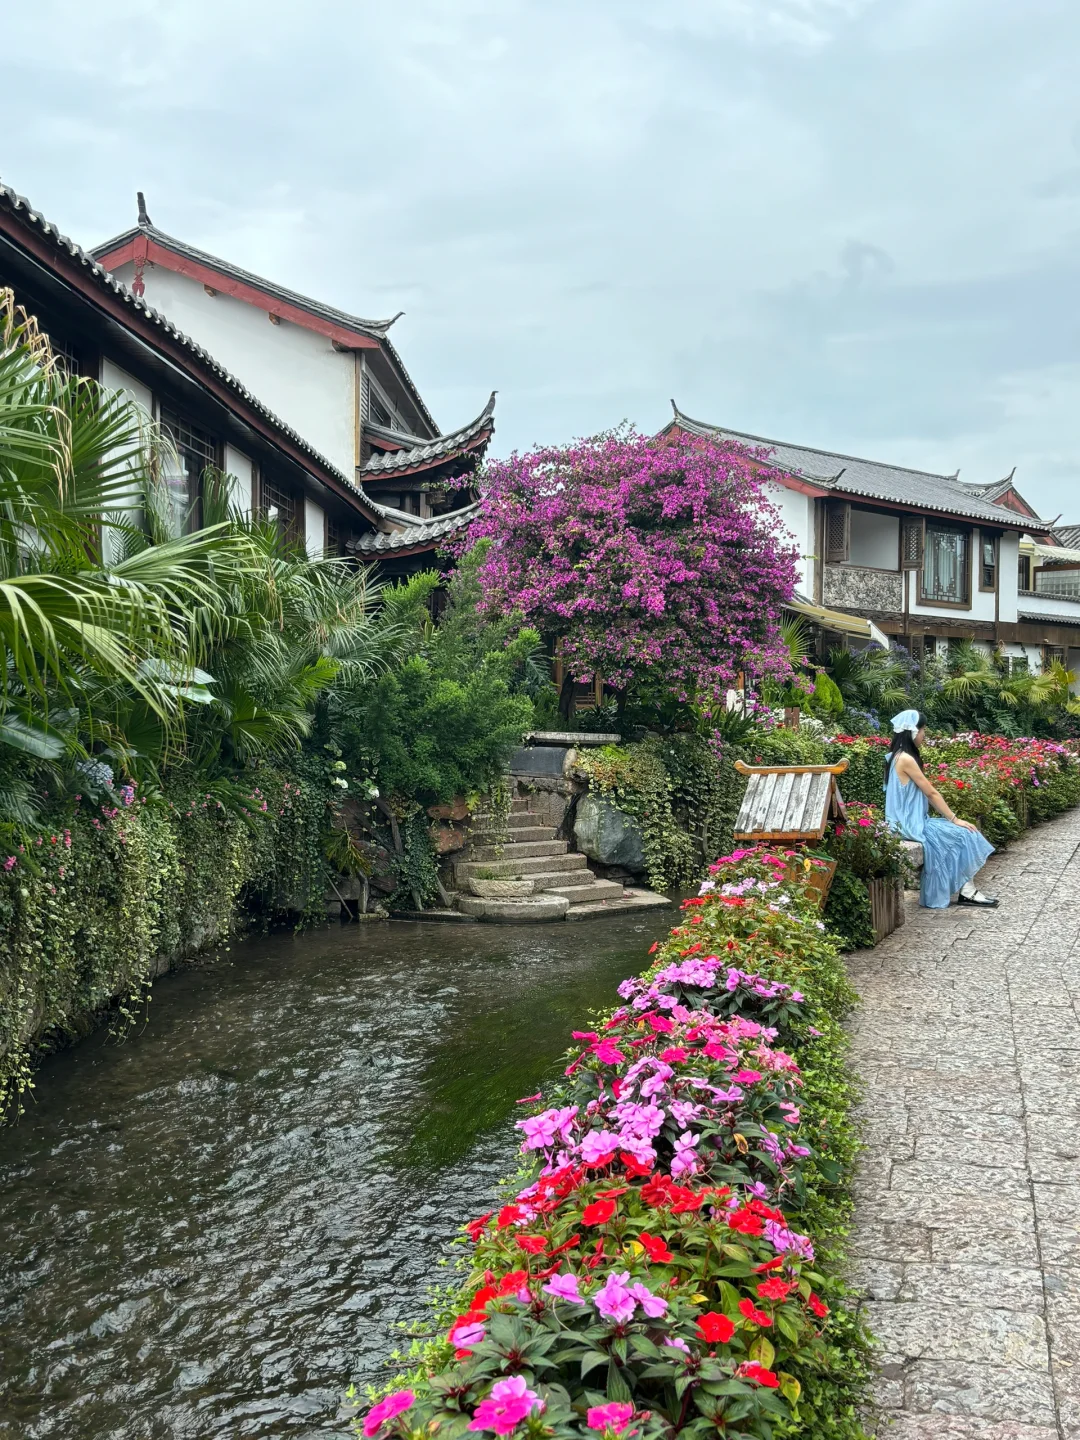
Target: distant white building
[[925, 559]]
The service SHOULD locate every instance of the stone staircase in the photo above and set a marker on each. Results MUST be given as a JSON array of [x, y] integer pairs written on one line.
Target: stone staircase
[[535, 877]]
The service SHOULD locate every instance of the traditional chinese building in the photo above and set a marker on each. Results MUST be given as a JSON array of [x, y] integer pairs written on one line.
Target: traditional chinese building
[[390, 486], [918, 557]]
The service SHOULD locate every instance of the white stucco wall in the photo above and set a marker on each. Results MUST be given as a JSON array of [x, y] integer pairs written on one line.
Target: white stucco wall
[[242, 471], [113, 378], [797, 516], [295, 372], [314, 528], [1008, 573], [875, 540]]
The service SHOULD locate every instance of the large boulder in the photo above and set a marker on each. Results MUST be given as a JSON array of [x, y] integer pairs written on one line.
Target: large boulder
[[607, 835]]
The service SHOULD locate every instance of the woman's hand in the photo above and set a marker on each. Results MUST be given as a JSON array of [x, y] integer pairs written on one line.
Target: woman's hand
[[965, 824]]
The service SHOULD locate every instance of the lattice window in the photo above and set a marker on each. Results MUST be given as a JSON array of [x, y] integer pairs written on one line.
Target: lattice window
[[837, 532], [911, 543], [195, 450], [281, 506], [946, 567]]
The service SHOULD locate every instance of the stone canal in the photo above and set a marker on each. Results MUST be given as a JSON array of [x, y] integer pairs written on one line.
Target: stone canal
[[211, 1228]]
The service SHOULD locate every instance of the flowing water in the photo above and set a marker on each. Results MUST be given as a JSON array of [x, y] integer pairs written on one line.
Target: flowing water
[[210, 1229]]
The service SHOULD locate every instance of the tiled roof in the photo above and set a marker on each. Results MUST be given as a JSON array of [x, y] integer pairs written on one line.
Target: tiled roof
[[869, 479], [201, 358], [417, 533], [1067, 535], [429, 452], [376, 329]]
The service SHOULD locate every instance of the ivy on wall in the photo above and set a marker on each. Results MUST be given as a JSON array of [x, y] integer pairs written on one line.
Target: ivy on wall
[[95, 906]]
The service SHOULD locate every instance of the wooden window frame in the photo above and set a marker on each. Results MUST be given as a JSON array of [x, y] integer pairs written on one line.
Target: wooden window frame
[[192, 443], [1025, 567], [988, 536], [929, 600]]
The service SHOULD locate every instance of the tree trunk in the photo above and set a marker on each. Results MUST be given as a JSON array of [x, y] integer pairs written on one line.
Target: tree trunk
[[566, 697]]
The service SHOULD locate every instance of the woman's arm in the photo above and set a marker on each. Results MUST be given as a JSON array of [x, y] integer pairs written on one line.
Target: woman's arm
[[909, 770]]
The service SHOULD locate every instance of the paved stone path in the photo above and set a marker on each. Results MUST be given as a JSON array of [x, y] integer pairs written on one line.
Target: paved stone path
[[967, 1238]]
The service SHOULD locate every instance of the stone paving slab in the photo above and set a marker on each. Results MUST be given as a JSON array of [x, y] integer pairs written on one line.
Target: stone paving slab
[[966, 1246]]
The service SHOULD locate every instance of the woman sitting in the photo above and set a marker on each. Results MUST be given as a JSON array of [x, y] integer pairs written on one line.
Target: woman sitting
[[954, 851]]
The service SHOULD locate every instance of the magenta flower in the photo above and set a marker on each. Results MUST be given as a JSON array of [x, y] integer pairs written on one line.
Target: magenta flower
[[653, 1305], [465, 1336], [506, 1406], [387, 1409], [659, 556], [614, 1300], [564, 1287], [613, 1417]]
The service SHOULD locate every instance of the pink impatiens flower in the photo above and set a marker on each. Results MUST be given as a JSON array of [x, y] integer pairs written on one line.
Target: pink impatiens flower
[[564, 1287], [386, 1410], [613, 1417], [507, 1404]]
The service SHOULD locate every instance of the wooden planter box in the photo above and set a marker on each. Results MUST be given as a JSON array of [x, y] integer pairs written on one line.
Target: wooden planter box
[[818, 880], [886, 906]]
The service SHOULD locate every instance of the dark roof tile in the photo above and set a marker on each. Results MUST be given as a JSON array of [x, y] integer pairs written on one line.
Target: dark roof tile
[[429, 452], [869, 479]]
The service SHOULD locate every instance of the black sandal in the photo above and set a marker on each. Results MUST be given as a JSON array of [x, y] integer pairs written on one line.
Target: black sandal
[[985, 902]]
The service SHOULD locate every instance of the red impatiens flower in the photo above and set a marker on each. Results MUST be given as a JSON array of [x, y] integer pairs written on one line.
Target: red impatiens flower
[[598, 1213], [776, 1263], [532, 1244], [745, 1221], [635, 1170], [818, 1306], [751, 1370], [510, 1215], [753, 1314], [654, 947], [655, 1191], [774, 1289], [474, 1227], [714, 1328], [655, 1248]]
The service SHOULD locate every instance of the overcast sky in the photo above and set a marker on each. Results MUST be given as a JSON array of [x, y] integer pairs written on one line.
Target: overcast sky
[[848, 223]]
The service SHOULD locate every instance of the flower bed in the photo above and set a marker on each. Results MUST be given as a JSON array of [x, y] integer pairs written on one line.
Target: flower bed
[[669, 1264], [1004, 785]]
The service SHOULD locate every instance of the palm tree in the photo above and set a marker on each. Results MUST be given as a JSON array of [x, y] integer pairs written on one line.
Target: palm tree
[[124, 639]]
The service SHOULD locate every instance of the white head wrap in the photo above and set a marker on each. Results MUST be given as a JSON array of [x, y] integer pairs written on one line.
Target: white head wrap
[[906, 720]]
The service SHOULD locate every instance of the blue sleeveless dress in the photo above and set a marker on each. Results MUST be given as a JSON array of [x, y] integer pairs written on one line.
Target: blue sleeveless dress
[[951, 855]]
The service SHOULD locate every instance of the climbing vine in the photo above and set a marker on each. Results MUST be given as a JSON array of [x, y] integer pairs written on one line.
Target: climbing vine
[[108, 896]]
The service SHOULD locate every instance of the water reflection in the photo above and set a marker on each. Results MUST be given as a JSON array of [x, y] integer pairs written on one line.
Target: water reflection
[[208, 1230]]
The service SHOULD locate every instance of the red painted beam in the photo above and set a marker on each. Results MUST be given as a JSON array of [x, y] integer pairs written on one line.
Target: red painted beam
[[149, 251]]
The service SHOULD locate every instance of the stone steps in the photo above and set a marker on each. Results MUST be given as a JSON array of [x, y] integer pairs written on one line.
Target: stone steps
[[522, 835], [578, 889], [526, 850], [535, 867], [635, 900], [526, 910]]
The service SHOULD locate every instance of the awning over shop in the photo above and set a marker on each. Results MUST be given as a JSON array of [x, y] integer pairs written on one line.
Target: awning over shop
[[838, 621]]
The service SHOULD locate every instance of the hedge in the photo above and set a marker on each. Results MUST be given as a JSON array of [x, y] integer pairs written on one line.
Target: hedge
[[669, 1260]]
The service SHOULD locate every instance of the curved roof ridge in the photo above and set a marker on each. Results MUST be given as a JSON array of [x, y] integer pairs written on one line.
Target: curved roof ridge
[[812, 449], [468, 437], [376, 328]]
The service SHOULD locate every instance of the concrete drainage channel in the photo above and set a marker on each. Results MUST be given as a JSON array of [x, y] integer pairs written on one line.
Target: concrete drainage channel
[[534, 876]]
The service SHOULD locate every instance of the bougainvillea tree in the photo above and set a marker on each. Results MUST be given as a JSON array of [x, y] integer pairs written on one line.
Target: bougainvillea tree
[[648, 559]]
